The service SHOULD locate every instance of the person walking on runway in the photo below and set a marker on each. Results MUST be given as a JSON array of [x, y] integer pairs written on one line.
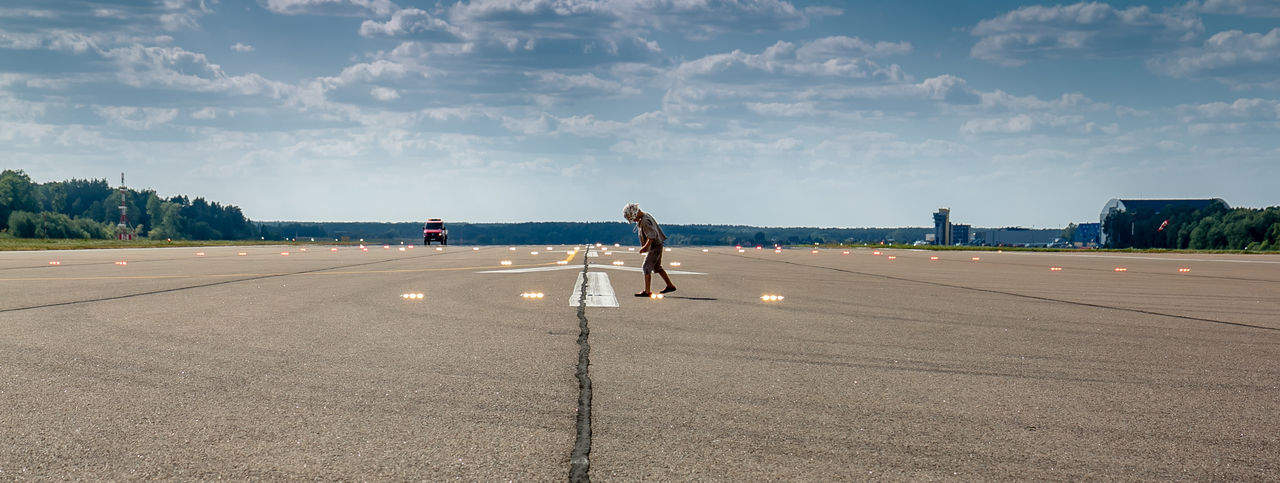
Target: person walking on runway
[[651, 240]]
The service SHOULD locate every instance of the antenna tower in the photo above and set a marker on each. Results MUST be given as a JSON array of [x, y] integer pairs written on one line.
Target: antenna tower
[[122, 230]]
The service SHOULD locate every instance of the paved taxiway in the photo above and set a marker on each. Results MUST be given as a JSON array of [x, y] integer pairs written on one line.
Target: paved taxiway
[[315, 365]]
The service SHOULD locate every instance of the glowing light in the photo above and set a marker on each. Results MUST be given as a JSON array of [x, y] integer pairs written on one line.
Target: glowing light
[[550, 248], [362, 246], [412, 296], [55, 262], [977, 258], [402, 249], [199, 254], [619, 262], [533, 253], [364, 249], [741, 251], [674, 264], [608, 254], [933, 258], [562, 262], [122, 263], [877, 252], [771, 298], [505, 262], [532, 295], [439, 249], [616, 245], [737, 247], [386, 247], [666, 249], [631, 249], [846, 252], [705, 250], [1121, 269], [302, 249], [1055, 269], [815, 252], [1184, 270], [284, 254], [475, 249], [333, 249], [891, 257], [242, 254], [777, 250], [655, 296], [512, 248], [758, 247]]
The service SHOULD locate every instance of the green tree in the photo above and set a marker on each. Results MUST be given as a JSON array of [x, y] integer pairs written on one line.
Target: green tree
[[17, 193]]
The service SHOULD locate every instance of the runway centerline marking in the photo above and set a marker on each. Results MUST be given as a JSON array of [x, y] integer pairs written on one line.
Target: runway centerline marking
[[599, 292]]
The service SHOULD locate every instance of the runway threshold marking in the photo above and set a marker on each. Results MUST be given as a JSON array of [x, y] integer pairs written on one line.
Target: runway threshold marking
[[596, 291]]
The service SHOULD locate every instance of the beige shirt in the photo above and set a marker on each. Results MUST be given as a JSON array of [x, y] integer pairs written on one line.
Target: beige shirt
[[649, 230]]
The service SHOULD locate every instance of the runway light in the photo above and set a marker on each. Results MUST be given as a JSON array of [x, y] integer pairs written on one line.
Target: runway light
[[505, 262], [199, 254], [877, 252], [333, 249], [771, 298], [122, 263], [891, 257], [616, 245], [741, 251], [666, 249], [364, 249], [402, 249], [631, 249], [475, 249], [933, 258], [386, 247], [241, 254], [608, 254], [705, 250], [412, 296], [55, 262], [439, 249], [532, 295], [655, 296], [562, 262], [511, 248], [619, 262], [533, 253], [846, 252], [1055, 269], [1121, 269], [284, 254], [758, 247], [1184, 270], [409, 247], [777, 250], [977, 259], [302, 249], [675, 264], [815, 252]]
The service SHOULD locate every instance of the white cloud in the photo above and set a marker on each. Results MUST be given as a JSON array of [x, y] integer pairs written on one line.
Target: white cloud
[[136, 117], [1247, 109], [1080, 30], [830, 56], [1232, 57], [411, 22], [384, 94], [1249, 8], [1010, 125], [239, 47], [352, 8]]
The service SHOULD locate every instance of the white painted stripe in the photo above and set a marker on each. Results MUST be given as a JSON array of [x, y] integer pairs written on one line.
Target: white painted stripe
[[599, 291], [534, 269], [592, 254], [638, 269]]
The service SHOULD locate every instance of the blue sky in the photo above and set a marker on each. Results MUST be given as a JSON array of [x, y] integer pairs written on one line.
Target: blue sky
[[766, 112]]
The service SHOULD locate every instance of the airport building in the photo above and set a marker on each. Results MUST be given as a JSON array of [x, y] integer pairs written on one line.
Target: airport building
[[1017, 237], [942, 227], [960, 234], [1153, 206], [1087, 234]]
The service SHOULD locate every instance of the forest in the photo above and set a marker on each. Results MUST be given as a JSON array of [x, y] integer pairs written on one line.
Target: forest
[[1215, 227]]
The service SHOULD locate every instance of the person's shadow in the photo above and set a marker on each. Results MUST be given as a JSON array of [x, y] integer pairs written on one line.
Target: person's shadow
[[689, 298]]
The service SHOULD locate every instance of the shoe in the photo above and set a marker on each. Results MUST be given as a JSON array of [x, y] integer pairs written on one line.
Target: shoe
[[668, 290], [644, 294]]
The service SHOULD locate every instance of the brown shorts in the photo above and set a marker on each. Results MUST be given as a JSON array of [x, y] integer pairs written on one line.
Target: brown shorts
[[653, 259]]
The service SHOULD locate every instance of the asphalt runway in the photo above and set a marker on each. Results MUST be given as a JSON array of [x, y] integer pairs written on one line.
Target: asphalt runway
[[244, 362]]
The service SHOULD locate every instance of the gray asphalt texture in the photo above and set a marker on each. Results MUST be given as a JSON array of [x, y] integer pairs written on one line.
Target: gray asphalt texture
[[314, 366]]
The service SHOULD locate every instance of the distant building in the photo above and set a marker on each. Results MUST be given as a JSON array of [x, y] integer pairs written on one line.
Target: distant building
[[1017, 236], [960, 234], [1152, 205], [942, 227], [1087, 234]]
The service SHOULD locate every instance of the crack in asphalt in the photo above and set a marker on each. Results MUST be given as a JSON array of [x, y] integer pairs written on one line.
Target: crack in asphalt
[[580, 459]]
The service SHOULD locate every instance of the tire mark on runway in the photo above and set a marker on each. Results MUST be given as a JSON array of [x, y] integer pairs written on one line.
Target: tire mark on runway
[[1014, 294], [203, 285], [580, 459]]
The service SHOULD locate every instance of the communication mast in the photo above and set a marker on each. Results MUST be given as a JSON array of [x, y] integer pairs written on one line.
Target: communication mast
[[122, 230]]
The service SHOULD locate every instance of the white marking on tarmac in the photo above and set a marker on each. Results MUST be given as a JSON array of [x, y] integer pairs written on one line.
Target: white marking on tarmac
[[534, 269], [599, 291], [638, 269]]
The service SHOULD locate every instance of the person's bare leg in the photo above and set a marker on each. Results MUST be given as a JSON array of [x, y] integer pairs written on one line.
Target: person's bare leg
[[648, 281], [665, 278]]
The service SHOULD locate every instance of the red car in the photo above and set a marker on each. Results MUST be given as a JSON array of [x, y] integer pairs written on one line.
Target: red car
[[435, 230]]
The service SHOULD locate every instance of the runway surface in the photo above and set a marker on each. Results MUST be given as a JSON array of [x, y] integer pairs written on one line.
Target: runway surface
[[245, 362]]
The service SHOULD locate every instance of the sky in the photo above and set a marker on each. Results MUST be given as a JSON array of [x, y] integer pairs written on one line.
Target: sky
[[765, 112]]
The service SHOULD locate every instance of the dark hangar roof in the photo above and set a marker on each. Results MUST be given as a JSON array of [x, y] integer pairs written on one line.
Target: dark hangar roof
[[1157, 205]]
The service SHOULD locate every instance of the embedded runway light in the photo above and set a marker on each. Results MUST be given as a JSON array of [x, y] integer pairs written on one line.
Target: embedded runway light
[[675, 264], [532, 295], [615, 245], [977, 259], [737, 247], [1184, 270], [771, 298], [511, 248], [303, 249], [891, 257], [655, 296], [619, 262], [741, 251], [241, 254], [333, 249], [666, 249], [284, 254], [439, 249], [386, 247], [122, 263], [631, 249], [475, 249], [1055, 269], [1121, 269], [562, 262], [55, 262], [409, 247], [364, 249], [758, 247], [550, 248], [402, 249], [705, 250], [608, 254], [199, 254], [777, 250], [814, 251], [535, 252], [877, 252], [505, 262], [846, 252], [933, 258], [412, 296]]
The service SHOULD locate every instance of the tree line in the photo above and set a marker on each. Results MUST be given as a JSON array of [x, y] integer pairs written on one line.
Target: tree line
[[1215, 227], [82, 208]]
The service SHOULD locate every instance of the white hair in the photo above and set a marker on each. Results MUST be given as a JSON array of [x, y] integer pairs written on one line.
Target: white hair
[[630, 211]]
